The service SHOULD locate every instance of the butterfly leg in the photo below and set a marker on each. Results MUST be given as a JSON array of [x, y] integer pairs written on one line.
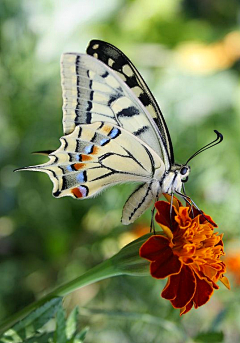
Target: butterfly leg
[[200, 211], [171, 206], [152, 225], [191, 202], [187, 199]]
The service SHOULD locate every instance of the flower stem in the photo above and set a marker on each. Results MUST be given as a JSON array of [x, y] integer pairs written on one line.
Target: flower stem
[[102, 271]]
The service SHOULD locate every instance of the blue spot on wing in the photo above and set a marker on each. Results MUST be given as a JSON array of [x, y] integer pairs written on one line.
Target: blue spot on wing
[[82, 177], [114, 132], [88, 149], [104, 141], [83, 190]]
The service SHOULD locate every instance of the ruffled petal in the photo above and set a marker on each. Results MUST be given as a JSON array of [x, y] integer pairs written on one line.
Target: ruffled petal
[[180, 288], [183, 218], [201, 275]]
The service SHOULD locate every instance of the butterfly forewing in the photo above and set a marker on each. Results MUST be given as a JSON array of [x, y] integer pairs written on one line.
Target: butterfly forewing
[[93, 92], [96, 156], [120, 63]]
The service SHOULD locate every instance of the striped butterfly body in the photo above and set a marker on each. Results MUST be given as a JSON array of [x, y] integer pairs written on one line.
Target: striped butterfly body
[[114, 132]]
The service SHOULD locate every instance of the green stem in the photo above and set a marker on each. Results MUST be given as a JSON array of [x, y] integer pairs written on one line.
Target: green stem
[[102, 271]]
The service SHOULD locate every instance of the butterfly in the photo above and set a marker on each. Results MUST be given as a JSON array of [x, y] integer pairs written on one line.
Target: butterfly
[[114, 132]]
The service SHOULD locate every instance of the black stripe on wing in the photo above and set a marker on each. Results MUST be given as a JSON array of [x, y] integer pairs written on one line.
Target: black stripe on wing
[[118, 61]]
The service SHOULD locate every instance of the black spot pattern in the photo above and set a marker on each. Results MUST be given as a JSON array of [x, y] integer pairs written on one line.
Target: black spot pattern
[[128, 112]]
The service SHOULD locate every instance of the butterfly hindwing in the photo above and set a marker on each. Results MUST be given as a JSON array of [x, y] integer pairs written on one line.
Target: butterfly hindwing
[[93, 92], [96, 156], [120, 63]]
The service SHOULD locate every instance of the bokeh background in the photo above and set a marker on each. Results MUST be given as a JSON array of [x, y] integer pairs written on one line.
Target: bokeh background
[[189, 53]]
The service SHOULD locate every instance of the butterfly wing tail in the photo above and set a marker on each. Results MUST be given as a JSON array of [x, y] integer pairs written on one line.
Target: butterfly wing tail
[[46, 168], [137, 203]]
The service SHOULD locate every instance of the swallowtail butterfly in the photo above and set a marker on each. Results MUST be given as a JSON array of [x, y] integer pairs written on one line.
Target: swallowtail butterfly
[[114, 132]]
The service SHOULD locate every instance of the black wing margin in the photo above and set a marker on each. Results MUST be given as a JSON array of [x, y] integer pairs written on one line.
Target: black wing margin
[[119, 62]]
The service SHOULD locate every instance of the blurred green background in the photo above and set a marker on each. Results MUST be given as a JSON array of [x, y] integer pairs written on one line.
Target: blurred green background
[[189, 53]]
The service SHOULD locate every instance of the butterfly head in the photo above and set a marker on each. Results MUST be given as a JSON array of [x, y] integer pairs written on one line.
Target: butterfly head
[[184, 171], [174, 178]]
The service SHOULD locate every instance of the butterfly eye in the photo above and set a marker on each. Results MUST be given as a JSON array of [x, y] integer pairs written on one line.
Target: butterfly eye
[[184, 170]]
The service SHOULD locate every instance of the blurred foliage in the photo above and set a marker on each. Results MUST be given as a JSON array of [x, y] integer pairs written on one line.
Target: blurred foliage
[[47, 324], [189, 54]]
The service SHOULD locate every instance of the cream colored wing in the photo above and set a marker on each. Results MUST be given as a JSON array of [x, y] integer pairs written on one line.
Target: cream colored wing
[[94, 92], [96, 156]]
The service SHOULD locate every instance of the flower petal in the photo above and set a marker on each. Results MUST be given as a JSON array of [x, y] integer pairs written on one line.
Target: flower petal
[[154, 247], [186, 308], [206, 218], [167, 264], [164, 263], [175, 200], [183, 219], [189, 254], [180, 288], [203, 292], [225, 281], [163, 217]]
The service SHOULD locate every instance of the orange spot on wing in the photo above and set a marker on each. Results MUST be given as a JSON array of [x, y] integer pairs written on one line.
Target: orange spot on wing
[[77, 193], [95, 150], [86, 157], [78, 166], [107, 128]]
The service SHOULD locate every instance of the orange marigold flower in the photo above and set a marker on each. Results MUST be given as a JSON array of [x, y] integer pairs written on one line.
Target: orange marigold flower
[[188, 253]]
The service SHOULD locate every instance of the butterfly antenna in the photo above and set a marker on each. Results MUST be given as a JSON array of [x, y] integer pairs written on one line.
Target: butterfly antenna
[[209, 145]]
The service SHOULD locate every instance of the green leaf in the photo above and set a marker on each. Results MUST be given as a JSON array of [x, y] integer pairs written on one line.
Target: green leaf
[[60, 332], [44, 338], [40, 338], [10, 336], [71, 325], [210, 337], [80, 337], [28, 326]]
